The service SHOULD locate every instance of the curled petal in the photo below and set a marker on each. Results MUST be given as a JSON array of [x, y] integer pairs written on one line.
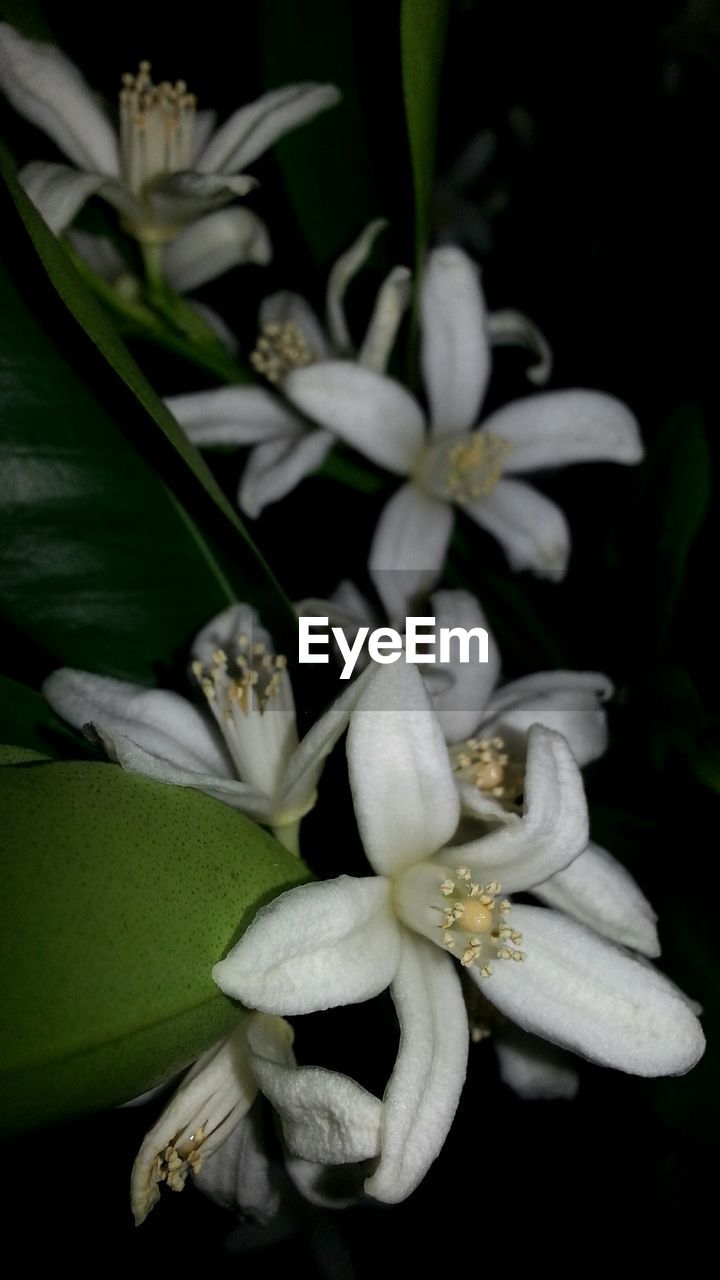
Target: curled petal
[[213, 245], [577, 990], [568, 701], [315, 947], [531, 529], [343, 271], [182, 197], [423, 1092], [58, 191], [276, 468], [512, 328], [556, 428], [254, 128], [390, 306], [596, 890]]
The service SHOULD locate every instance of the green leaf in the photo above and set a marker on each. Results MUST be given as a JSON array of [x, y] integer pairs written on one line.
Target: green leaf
[[26, 719], [123, 893], [423, 27], [678, 480], [326, 165], [20, 755], [247, 568]]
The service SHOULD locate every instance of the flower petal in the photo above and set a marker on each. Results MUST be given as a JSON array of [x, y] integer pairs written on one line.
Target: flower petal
[[409, 546], [239, 1175], [326, 1117], [597, 890], [214, 1096], [276, 468], [161, 722], [343, 271], [213, 245], [254, 128], [567, 701], [391, 304], [49, 91], [455, 349], [405, 798], [285, 307], [182, 197], [559, 427], [99, 252], [461, 693], [531, 529], [553, 829], [512, 328], [374, 414], [577, 990], [423, 1092], [307, 762], [315, 947], [222, 632], [58, 192], [532, 1068], [234, 416]]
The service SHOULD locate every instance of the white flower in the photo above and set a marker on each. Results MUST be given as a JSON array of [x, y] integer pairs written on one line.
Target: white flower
[[211, 1127], [243, 749], [458, 463], [165, 168], [345, 940], [286, 446]]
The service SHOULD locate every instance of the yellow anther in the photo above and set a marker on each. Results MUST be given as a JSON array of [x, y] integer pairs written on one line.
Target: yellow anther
[[280, 349]]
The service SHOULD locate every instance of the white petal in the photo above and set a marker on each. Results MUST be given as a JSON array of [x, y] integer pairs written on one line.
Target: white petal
[[554, 826], [372, 413], [315, 947], [327, 1186], [343, 271], [512, 328], [560, 427], [460, 690], [597, 890], [99, 252], [391, 304], [58, 191], [423, 1092], [254, 128], [405, 798], [47, 89], [204, 126], [213, 245], [234, 416], [326, 1117], [182, 197], [276, 468], [579, 991], [531, 529], [532, 1068], [239, 1175], [285, 307], [161, 722], [409, 546], [567, 701], [214, 1096], [307, 763], [455, 349]]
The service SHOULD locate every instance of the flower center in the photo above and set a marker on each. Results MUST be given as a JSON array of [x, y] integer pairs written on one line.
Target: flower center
[[486, 764], [157, 123], [472, 910], [463, 469], [280, 349], [177, 1161], [257, 682]]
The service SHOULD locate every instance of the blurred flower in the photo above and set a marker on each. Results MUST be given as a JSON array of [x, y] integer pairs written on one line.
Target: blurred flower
[[346, 940], [243, 750], [165, 168], [458, 464], [286, 446], [211, 1127]]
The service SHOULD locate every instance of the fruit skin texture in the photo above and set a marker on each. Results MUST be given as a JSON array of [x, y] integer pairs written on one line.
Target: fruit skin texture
[[119, 894]]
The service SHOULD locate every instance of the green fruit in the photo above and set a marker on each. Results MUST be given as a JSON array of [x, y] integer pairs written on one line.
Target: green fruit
[[119, 894]]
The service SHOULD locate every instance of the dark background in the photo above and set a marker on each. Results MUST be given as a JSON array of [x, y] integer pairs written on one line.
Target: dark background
[[600, 221]]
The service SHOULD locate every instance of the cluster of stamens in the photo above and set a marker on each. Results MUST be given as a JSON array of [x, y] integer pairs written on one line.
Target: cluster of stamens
[[179, 1159], [252, 685], [156, 127], [475, 466], [473, 909], [486, 764], [280, 349]]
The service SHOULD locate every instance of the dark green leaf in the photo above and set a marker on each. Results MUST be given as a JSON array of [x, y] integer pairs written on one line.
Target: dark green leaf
[[26, 719], [423, 27], [123, 893]]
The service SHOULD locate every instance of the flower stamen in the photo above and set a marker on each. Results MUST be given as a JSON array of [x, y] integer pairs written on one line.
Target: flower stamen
[[280, 349], [157, 125], [487, 765], [475, 911]]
